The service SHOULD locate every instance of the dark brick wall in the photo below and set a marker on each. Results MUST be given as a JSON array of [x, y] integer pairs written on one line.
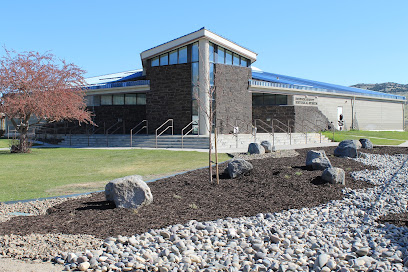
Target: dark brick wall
[[107, 116], [233, 100], [169, 96], [287, 114]]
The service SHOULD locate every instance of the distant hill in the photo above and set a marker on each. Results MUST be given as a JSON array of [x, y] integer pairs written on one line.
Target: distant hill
[[388, 87]]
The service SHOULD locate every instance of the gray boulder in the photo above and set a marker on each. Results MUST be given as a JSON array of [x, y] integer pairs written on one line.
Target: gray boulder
[[267, 146], [238, 167], [255, 148], [334, 175], [129, 192], [366, 143], [347, 148], [317, 160]]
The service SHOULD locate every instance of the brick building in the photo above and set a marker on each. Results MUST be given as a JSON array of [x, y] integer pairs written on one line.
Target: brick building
[[180, 76]]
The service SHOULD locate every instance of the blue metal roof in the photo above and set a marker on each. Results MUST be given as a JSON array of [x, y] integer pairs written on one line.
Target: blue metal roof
[[271, 77]]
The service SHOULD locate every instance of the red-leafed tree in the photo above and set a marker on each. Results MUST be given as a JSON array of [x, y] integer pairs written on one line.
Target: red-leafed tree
[[38, 87]]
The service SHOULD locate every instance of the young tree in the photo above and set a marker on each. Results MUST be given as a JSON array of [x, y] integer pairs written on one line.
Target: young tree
[[38, 87]]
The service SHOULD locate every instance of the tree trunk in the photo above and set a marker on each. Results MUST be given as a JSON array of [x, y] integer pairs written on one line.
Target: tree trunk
[[210, 172]]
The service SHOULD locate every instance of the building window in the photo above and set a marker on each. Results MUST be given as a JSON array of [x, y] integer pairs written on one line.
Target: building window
[[183, 55], [235, 60], [259, 99], [141, 99], [194, 52], [118, 99], [130, 99], [194, 73], [211, 49], [244, 62], [155, 61], [228, 57], [123, 99], [221, 55], [164, 59], [106, 100], [173, 57]]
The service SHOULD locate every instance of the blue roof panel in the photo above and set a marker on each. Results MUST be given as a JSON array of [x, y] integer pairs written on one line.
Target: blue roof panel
[[271, 77]]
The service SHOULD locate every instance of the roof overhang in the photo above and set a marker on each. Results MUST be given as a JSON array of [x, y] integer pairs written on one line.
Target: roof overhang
[[195, 36], [130, 89], [289, 91]]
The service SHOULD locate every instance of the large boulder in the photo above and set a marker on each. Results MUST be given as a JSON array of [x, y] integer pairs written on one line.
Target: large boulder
[[129, 192], [267, 146], [238, 167], [366, 143], [334, 175], [347, 148], [255, 148], [317, 160]]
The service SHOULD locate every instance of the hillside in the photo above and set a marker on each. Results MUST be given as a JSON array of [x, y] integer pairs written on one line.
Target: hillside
[[388, 87]]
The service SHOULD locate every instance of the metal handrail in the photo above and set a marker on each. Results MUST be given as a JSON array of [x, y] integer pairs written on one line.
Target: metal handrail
[[188, 132], [143, 127], [248, 124], [112, 126], [171, 126], [264, 124]]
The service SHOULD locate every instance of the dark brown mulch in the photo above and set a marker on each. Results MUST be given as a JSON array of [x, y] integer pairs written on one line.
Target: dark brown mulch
[[273, 186], [398, 219]]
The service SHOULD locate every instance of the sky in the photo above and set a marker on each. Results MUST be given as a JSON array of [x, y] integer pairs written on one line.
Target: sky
[[342, 42]]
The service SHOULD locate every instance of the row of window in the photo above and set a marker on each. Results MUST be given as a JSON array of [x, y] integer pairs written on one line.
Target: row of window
[[221, 55], [182, 55], [123, 99], [269, 99], [190, 53]]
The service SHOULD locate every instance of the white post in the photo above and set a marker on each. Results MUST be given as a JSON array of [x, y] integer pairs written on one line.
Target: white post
[[204, 82]]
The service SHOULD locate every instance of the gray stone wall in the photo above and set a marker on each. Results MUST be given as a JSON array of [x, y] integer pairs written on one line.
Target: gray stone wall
[[169, 96], [307, 118], [233, 100]]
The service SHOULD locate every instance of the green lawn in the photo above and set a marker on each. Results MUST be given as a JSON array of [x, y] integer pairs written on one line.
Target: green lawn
[[58, 171], [376, 137], [4, 143]]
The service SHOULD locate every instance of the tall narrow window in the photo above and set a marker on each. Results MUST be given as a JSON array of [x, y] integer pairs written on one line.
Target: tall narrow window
[[183, 55], [211, 51], [194, 52], [195, 73], [221, 55], [244, 62], [173, 57], [235, 60], [228, 57], [155, 61], [164, 59]]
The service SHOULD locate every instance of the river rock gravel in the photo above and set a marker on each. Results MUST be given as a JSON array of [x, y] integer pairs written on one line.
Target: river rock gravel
[[342, 235]]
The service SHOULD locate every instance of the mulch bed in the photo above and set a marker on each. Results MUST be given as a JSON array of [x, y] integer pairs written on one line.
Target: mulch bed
[[275, 184]]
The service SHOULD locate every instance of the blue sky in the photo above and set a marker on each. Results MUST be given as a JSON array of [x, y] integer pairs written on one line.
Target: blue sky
[[343, 42]]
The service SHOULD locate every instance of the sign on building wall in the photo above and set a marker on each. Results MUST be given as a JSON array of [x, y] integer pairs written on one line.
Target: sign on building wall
[[305, 100]]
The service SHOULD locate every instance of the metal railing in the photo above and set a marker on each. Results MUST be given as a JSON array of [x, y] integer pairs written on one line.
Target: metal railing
[[111, 127], [146, 126], [119, 84], [192, 124], [164, 130]]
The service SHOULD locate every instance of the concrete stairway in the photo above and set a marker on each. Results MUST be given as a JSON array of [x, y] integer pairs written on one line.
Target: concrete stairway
[[146, 141], [226, 141]]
